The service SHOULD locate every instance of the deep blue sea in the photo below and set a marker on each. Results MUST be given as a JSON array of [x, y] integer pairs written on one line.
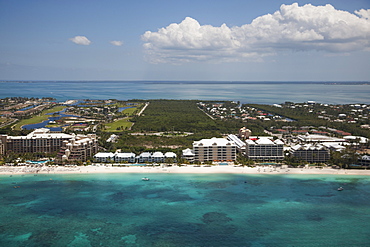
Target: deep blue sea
[[184, 210], [245, 92]]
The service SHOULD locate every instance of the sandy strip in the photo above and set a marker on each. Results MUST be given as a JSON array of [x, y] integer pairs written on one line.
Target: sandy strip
[[6, 170]]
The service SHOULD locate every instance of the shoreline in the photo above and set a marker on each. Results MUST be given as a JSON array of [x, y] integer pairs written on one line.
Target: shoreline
[[22, 170]]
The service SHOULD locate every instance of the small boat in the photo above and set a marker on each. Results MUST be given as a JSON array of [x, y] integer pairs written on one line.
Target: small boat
[[145, 179], [340, 188]]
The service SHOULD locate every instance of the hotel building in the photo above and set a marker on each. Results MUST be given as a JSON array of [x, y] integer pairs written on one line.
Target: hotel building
[[77, 147], [264, 149], [214, 149], [311, 152], [38, 141]]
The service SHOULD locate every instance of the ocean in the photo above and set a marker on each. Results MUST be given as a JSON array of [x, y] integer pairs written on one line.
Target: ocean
[[245, 92], [184, 210]]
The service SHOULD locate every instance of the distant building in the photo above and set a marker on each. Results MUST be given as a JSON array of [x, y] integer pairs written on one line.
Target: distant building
[[214, 149], [307, 138], [244, 133], [264, 149], [311, 152]]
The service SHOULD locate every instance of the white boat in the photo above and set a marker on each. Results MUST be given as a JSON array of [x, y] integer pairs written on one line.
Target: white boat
[[145, 179], [340, 188]]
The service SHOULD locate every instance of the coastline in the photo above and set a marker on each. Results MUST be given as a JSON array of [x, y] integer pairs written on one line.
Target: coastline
[[22, 170]]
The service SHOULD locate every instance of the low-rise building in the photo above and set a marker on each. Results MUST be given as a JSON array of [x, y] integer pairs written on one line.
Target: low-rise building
[[364, 160], [170, 156], [125, 157], [104, 157], [145, 157], [188, 154], [157, 157]]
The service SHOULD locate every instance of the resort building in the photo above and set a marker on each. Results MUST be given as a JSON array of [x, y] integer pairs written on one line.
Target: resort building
[[104, 157], [2, 147], [125, 157], [264, 149], [188, 154], [307, 138], [170, 156], [78, 148], [146, 157], [240, 145], [312, 153], [364, 160], [157, 157], [38, 141], [215, 150], [244, 133]]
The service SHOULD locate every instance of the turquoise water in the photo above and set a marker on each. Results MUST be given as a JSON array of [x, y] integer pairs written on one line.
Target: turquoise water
[[245, 92], [184, 210]]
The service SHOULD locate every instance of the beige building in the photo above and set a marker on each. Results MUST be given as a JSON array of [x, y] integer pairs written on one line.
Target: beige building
[[78, 147], [244, 133], [215, 150], [40, 140]]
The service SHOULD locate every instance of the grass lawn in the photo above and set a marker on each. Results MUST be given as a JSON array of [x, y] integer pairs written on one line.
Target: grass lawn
[[123, 124], [130, 111], [39, 118]]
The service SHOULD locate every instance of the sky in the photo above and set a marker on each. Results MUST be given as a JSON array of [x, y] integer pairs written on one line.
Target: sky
[[197, 40]]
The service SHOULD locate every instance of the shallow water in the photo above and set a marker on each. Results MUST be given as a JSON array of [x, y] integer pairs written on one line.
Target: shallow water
[[184, 210]]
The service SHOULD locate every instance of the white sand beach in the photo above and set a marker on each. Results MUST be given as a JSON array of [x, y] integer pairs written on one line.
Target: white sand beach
[[10, 170]]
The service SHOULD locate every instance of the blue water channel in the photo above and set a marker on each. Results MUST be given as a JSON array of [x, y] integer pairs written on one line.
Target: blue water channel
[[43, 124]]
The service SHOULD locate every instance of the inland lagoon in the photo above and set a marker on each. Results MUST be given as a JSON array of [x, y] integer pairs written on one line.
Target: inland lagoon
[[120, 209]]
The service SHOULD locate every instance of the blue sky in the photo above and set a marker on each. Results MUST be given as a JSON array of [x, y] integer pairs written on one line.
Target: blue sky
[[233, 40]]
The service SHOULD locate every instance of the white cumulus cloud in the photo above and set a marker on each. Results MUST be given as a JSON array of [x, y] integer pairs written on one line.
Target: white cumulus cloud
[[80, 40], [292, 27], [116, 43]]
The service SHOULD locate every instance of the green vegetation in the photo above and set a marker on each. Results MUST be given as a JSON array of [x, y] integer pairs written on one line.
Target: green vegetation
[[118, 126], [183, 116], [173, 117], [309, 117], [39, 118]]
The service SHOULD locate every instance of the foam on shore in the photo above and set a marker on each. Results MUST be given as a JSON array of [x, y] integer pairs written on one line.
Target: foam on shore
[[6, 170]]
